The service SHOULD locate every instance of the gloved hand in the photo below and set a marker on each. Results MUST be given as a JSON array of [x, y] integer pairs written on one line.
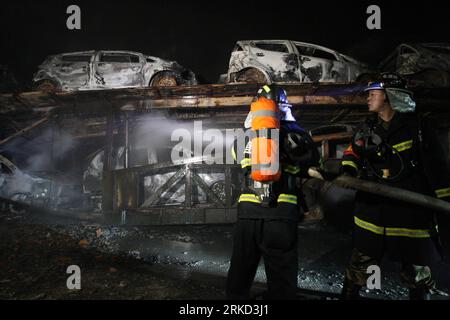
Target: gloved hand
[[319, 173], [286, 113], [315, 172]]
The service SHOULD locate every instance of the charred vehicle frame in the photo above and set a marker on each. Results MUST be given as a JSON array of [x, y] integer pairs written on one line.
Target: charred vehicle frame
[[423, 64], [107, 69], [267, 61]]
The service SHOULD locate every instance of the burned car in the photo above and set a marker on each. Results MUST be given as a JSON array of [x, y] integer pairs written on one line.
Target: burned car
[[107, 70], [39, 189], [271, 61], [425, 65], [19, 186]]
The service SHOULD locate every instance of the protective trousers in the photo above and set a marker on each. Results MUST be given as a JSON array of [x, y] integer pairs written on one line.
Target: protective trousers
[[276, 242]]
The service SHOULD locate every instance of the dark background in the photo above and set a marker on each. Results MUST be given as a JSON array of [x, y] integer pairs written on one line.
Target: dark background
[[200, 35]]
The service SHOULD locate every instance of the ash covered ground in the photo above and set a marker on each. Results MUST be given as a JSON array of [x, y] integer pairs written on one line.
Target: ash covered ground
[[160, 262], [34, 258]]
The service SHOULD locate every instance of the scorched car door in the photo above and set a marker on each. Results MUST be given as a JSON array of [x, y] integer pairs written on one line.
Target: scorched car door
[[73, 71], [277, 59], [117, 70], [320, 65]]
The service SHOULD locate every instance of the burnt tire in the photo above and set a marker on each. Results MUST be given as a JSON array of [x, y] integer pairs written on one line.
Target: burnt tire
[[251, 76], [46, 86], [164, 80]]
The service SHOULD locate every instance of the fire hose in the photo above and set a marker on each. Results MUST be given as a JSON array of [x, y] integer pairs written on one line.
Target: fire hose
[[415, 198]]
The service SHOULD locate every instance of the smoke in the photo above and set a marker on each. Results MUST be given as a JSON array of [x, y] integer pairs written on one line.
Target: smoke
[[18, 182], [192, 138], [39, 150], [155, 132], [48, 148], [37, 155], [40, 153]]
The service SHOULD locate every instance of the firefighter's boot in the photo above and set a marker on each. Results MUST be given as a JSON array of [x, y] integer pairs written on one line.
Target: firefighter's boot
[[350, 290], [419, 294]]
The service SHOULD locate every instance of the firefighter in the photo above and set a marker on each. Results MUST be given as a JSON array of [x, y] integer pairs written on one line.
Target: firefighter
[[395, 147], [268, 210]]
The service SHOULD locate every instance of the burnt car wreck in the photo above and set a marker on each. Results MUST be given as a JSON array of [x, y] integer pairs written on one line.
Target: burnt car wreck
[[278, 61], [88, 70], [423, 64]]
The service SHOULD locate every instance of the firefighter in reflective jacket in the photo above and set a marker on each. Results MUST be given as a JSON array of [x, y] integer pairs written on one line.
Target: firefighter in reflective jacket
[[268, 210], [395, 147]]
